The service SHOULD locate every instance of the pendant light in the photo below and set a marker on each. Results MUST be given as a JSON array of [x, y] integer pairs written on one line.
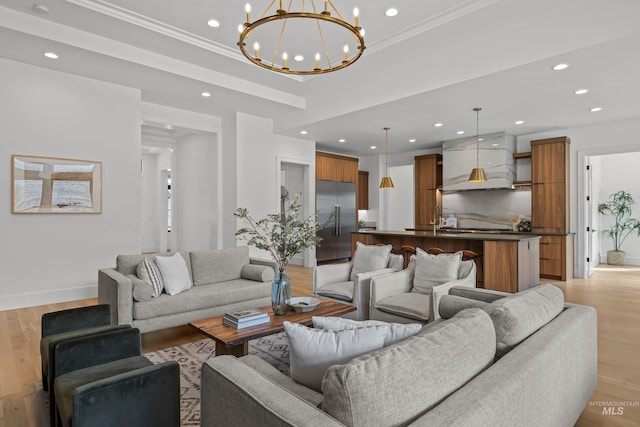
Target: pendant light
[[477, 174], [386, 180]]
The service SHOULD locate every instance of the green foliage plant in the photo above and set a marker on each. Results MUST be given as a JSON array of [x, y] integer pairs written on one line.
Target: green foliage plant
[[620, 207]]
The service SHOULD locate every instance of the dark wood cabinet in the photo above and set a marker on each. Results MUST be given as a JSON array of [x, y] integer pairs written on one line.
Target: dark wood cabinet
[[550, 185], [363, 190], [333, 167], [428, 183]]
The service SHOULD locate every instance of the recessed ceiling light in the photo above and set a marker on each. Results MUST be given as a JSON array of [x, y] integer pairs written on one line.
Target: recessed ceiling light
[[299, 58], [494, 145], [595, 109], [518, 122], [213, 23], [412, 140], [342, 140], [40, 9], [391, 12], [581, 91], [438, 125], [206, 94], [303, 132], [373, 147], [460, 132], [51, 55], [560, 67]]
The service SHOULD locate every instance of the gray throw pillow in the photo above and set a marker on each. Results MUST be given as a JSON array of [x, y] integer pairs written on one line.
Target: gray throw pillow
[[369, 258], [433, 270], [259, 273], [142, 291], [148, 271], [518, 316]]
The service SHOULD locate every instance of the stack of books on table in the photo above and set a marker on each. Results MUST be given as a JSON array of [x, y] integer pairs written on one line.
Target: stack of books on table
[[245, 318]]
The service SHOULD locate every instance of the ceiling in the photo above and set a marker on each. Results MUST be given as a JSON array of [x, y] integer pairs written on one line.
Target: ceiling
[[432, 63]]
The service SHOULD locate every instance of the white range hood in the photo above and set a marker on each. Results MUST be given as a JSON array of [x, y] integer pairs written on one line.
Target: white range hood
[[495, 156]]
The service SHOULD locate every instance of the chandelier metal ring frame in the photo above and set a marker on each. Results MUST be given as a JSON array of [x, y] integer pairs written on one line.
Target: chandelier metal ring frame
[[281, 14]]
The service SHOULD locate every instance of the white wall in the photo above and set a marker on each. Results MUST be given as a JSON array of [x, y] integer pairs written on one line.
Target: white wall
[[400, 206], [258, 172], [611, 182], [293, 181], [197, 192], [49, 258]]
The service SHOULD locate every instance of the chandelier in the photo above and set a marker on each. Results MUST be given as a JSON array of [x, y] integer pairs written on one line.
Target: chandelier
[[319, 41]]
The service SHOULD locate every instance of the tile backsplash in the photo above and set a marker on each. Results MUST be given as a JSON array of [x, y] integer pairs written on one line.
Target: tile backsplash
[[487, 208]]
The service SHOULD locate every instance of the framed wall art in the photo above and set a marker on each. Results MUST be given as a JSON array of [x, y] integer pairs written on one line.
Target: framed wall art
[[55, 185]]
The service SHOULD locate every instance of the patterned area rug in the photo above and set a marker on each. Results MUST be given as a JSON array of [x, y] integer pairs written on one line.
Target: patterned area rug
[[273, 349]]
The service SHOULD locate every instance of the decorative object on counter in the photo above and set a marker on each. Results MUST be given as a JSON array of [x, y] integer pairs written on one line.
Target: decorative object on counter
[[283, 235], [477, 174], [450, 222], [619, 207], [386, 181], [304, 304], [515, 222], [302, 22], [524, 225]]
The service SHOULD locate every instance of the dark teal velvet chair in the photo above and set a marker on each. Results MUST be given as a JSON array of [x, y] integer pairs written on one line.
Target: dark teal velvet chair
[[103, 380], [62, 325]]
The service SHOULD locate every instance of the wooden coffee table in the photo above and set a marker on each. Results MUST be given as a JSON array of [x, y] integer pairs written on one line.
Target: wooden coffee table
[[236, 341]]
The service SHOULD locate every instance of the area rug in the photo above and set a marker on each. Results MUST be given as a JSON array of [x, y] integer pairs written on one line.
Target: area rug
[[273, 349]]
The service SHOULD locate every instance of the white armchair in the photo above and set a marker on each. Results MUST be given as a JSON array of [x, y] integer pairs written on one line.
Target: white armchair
[[349, 282], [394, 298]]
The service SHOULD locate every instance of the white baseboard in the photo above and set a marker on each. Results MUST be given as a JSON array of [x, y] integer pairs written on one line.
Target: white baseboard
[[12, 302], [627, 260]]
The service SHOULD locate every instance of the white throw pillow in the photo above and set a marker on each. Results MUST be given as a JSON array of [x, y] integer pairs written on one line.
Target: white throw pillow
[[149, 272], [313, 351], [433, 270], [397, 331], [175, 274], [369, 258]]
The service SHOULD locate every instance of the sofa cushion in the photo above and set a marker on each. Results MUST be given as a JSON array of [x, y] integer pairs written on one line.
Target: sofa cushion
[[218, 265], [312, 351], [149, 272], [397, 331], [142, 291], [450, 305], [259, 273], [175, 275], [202, 297], [339, 290], [518, 316], [433, 270], [395, 385], [411, 304], [369, 258], [128, 264]]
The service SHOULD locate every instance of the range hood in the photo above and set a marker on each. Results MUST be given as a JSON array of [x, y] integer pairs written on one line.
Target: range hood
[[496, 157]]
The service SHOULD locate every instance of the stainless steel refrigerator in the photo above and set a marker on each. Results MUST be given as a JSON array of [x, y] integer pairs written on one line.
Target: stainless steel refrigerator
[[338, 198]]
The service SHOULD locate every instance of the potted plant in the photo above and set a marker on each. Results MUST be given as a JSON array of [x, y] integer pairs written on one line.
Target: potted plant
[[283, 235], [619, 207]]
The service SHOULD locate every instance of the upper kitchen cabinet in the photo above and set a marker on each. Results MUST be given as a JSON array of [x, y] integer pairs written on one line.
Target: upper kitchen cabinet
[[550, 185], [333, 167], [428, 182], [363, 190]]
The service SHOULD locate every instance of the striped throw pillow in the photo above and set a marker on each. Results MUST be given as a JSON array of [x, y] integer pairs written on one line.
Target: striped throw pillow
[[149, 272]]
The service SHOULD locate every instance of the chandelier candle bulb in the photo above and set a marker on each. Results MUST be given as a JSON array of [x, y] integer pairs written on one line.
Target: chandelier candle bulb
[[317, 61], [356, 12], [284, 60], [256, 47], [247, 9], [345, 49]]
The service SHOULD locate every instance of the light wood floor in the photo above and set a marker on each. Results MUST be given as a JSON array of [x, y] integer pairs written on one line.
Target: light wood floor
[[614, 292]]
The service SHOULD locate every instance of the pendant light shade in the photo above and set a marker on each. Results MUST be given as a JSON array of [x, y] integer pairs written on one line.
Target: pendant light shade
[[386, 181], [477, 174]]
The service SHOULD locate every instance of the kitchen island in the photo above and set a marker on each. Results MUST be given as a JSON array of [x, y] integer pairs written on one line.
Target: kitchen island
[[509, 262]]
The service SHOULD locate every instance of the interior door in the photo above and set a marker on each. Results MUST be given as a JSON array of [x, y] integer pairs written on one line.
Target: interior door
[[591, 256]]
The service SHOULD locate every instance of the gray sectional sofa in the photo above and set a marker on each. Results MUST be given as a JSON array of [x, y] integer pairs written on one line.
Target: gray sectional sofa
[[493, 359], [222, 280]]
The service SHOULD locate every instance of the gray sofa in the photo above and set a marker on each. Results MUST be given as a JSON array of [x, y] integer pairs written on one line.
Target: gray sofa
[[493, 359], [223, 280]]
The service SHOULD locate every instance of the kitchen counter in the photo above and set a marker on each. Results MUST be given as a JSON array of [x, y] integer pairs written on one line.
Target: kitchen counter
[[509, 261]]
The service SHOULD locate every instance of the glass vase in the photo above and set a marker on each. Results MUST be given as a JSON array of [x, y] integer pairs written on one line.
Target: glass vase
[[280, 293]]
